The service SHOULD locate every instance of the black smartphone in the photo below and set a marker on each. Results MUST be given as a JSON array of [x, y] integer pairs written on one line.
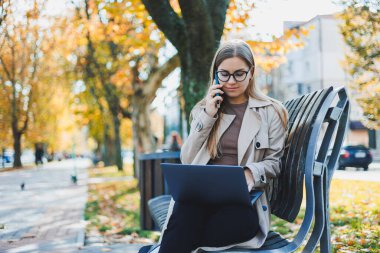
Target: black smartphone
[[217, 94]]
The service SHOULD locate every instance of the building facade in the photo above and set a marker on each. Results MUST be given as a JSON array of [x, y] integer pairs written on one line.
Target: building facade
[[316, 66]]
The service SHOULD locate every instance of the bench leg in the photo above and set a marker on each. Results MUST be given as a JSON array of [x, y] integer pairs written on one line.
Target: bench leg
[[319, 222], [326, 238]]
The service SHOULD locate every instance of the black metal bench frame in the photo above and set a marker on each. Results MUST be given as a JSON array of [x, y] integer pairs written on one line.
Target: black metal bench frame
[[317, 124]]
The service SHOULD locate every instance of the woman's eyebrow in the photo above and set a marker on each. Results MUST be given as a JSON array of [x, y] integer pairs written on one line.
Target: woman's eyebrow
[[234, 71]]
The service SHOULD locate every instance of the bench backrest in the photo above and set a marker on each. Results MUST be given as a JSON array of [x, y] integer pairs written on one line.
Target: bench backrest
[[287, 190]]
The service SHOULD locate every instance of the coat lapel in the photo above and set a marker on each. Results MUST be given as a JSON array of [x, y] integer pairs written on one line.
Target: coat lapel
[[249, 128], [224, 124], [203, 156]]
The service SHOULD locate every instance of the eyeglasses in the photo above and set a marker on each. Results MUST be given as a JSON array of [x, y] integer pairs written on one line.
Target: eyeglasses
[[239, 75]]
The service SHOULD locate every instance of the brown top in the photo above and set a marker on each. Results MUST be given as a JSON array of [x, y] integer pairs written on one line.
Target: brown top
[[229, 140]]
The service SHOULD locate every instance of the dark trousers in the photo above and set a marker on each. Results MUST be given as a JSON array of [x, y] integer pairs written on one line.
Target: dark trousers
[[191, 226]]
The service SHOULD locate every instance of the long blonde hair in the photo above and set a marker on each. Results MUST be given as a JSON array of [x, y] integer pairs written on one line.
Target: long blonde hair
[[229, 49]]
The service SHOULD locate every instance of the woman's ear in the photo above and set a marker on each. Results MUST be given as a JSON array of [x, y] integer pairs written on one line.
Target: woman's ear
[[252, 72]]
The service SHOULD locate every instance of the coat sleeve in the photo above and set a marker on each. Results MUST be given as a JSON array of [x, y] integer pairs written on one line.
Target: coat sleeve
[[200, 129], [270, 166]]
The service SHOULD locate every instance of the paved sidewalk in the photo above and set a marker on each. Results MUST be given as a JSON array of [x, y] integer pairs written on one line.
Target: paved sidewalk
[[48, 215], [115, 248], [373, 173]]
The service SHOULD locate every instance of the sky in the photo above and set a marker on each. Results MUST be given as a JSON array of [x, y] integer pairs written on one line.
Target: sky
[[268, 15]]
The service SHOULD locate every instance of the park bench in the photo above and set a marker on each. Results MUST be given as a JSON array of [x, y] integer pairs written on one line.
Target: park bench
[[315, 133]]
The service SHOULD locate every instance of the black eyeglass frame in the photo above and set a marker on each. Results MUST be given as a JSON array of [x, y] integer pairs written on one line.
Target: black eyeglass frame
[[233, 75]]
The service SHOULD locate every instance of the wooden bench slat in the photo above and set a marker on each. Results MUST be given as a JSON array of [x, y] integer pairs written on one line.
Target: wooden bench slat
[[287, 167], [299, 156]]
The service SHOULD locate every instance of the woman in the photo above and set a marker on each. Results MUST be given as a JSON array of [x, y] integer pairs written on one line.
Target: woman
[[247, 130]]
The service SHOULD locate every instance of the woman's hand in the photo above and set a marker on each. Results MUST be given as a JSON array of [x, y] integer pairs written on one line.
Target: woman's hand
[[211, 99], [249, 178]]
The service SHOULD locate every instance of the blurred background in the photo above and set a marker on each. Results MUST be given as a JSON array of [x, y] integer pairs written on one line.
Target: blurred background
[[102, 81]]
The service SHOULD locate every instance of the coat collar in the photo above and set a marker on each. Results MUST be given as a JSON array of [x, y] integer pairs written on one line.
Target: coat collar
[[249, 128], [253, 102]]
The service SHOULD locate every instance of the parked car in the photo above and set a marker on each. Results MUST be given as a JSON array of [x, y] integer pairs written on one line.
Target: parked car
[[355, 156]]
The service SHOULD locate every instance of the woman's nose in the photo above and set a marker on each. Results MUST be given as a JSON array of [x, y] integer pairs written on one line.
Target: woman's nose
[[231, 80]]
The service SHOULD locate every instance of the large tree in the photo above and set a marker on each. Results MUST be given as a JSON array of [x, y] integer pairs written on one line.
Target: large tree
[[24, 52], [195, 29], [120, 65], [361, 32]]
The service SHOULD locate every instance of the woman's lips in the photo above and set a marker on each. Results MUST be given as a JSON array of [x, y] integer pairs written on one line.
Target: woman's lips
[[231, 88]]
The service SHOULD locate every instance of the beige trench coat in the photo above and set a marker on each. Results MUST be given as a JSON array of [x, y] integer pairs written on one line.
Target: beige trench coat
[[260, 147]]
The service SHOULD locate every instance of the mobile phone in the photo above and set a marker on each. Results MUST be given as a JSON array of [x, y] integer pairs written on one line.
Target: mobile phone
[[217, 94]]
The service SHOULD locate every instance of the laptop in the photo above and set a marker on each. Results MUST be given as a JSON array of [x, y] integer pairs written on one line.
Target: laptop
[[208, 184]]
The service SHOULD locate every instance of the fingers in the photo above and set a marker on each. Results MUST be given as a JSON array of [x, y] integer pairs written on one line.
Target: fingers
[[212, 100], [216, 98], [214, 92], [215, 86]]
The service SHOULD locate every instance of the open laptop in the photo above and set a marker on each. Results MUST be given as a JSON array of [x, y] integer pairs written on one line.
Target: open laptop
[[208, 184]]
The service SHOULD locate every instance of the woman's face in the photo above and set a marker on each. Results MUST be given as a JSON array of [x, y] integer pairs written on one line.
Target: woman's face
[[234, 88]]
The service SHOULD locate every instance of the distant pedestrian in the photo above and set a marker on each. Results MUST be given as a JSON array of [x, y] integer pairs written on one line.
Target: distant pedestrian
[[39, 153], [175, 142]]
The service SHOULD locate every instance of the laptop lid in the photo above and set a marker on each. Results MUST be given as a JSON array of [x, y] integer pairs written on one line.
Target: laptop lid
[[206, 184]]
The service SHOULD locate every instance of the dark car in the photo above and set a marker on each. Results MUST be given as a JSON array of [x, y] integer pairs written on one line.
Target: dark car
[[355, 156]]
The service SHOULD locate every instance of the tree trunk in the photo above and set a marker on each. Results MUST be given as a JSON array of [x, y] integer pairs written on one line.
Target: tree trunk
[[195, 78], [108, 150], [136, 163], [144, 132], [143, 140], [17, 149], [196, 36], [116, 127]]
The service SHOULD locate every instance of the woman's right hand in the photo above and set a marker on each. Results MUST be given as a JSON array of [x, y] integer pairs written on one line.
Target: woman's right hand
[[211, 99]]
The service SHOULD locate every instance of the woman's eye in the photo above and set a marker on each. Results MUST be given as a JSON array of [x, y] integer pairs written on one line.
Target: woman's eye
[[224, 74], [239, 73]]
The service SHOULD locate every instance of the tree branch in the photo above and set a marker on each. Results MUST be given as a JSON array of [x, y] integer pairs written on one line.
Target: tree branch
[[156, 77], [111, 97], [5, 69], [167, 21], [125, 113], [217, 10], [25, 125]]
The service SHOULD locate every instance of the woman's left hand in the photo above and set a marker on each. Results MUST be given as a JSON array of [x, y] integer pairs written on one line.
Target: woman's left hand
[[249, 178]]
